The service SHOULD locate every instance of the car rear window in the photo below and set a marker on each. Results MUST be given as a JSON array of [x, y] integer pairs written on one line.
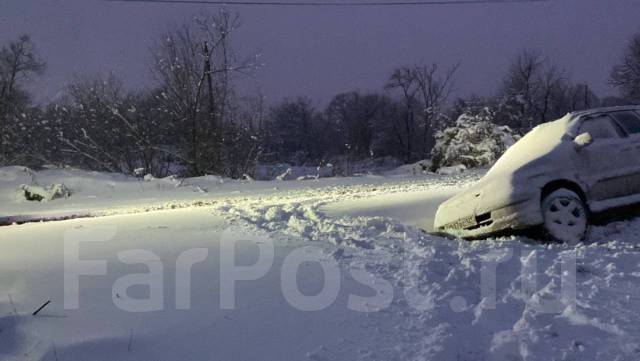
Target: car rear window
[[628, 120]]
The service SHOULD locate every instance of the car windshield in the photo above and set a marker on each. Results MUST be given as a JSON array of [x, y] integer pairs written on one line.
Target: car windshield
[[538, 142]]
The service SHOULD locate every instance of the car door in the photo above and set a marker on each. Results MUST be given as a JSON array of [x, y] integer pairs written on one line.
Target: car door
[[606, 165], [629, 121]]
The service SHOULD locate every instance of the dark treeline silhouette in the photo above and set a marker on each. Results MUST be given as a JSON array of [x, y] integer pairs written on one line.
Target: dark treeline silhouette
[[193, 122]]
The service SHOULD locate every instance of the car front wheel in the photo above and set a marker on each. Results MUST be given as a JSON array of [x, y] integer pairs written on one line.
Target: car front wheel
[[566, 218]]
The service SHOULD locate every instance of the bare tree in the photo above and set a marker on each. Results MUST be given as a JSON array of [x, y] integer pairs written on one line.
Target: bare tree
[[91, 130], [90, 106], [434, 90], [424, 90], [293, 134], [18, 61], [552, 86], [353, 117], [194, 64], [100, 126], [244, 138], [626, 75], [403, 80], [580, 97], [535, 91], [521, 84]]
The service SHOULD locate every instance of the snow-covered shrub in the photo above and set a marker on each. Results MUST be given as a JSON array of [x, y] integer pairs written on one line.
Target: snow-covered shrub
[[43, 194], [474, 141]]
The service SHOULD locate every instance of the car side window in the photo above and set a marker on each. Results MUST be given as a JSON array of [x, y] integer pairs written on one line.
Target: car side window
[[599, 127], [629, 120]]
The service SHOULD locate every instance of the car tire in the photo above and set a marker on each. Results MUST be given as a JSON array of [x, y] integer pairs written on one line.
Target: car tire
[[566, 217]]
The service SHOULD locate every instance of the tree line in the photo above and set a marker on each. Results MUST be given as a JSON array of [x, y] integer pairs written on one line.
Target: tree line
[[194, 122]]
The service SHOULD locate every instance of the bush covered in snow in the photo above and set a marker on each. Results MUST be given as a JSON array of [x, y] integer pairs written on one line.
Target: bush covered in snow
[[43, 194], [474, 141]]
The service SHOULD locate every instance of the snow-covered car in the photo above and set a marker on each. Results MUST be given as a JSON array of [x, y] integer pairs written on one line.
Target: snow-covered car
[[555, 177]]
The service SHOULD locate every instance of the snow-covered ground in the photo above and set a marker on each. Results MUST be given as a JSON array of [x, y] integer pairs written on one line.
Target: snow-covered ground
[[371, 284], [99, 194]]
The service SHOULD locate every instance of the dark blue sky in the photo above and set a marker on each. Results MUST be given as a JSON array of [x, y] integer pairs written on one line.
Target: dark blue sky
[[319, 52]]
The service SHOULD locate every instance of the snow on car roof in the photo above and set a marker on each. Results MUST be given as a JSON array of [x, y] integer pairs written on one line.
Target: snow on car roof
[[603, 110], [574, 117], [545, 137]]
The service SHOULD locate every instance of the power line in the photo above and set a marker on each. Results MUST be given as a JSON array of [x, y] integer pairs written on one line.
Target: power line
[[349, 3]]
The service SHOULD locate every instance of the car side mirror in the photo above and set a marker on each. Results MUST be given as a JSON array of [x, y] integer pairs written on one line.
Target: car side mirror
[[583, 140]]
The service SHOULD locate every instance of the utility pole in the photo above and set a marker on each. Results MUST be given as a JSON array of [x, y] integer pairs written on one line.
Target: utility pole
[[207, 70], [586, 97], [212, 105]]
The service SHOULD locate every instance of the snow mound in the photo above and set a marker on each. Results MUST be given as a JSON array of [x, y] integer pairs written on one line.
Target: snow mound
[[418, 168], [285, 172], [16, 174], [298, 213], [456, 169], [305, 220], [345, 166]]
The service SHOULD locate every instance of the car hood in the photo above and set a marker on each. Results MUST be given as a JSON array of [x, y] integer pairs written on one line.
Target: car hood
[[480, 198]]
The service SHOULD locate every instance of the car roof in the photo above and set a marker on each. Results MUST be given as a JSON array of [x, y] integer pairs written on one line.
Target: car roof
[[573, 119], [582, 113]]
